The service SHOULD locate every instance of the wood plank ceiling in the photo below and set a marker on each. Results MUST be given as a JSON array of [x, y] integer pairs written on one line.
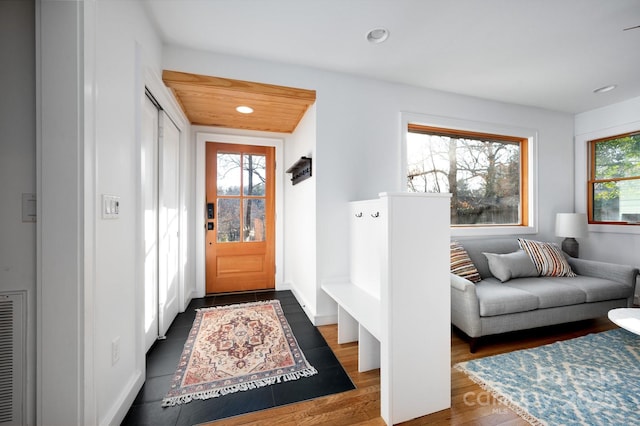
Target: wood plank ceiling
[[212, 101]]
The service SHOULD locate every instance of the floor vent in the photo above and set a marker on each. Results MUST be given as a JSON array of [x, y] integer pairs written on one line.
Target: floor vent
[[12, 352]]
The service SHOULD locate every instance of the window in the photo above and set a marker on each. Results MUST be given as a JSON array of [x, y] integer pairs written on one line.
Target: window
[[614, 179], [241, 184], [486, 174]]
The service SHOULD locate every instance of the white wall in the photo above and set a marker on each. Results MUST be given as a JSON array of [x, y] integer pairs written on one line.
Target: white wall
[[609, 243], [18, 164], [301, 226], [90, 290], [357, 152], [125, 46], [60, 244]]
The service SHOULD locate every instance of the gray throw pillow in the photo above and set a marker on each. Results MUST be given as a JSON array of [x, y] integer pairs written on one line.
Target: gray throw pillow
[[511, 265]]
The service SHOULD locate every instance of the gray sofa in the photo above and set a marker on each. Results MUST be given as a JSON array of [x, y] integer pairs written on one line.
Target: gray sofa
[[492, 307]]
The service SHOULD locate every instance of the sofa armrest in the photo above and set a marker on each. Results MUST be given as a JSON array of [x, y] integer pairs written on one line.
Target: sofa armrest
[[465, 309], [624, 274], [462, 284]]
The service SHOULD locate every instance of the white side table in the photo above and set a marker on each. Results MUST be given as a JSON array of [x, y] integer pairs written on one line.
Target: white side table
[[627, 318]]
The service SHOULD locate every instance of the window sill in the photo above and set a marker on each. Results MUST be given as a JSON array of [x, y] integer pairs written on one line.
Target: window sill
[[615, 229], [493, 230]]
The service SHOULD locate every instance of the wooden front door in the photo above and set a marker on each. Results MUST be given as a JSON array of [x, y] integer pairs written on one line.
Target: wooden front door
[[240, 217]]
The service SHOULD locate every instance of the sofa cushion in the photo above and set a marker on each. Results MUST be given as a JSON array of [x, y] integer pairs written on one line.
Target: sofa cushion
[[495, 298], [511, 265], [599, 289], [475, 248], [550, 291], [548, 259], [461, 264]]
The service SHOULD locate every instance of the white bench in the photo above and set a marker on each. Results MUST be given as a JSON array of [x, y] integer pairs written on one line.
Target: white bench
[[395, 302], [359, 319]]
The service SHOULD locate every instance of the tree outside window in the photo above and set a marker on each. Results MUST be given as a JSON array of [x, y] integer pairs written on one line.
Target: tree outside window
[[614, 183], [241, 188], [484, 173]]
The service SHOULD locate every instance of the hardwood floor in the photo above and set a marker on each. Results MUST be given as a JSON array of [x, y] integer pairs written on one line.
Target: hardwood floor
[[470, 405]]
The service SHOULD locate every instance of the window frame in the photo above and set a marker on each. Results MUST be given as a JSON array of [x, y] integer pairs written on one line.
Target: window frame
[[529, 212], [591, 180]]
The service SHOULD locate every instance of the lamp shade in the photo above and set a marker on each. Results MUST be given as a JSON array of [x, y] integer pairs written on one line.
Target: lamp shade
[[571, 225]]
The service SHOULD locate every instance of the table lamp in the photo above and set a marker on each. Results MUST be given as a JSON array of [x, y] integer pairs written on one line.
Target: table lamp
[[571, 226]]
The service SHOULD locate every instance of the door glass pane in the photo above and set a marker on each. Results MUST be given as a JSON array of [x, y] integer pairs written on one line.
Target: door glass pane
[[254, 174], [228, 220], [254, 220], [228, 174]]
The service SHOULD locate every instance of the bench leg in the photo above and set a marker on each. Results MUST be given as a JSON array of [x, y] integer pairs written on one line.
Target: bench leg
[[368, 351], [347, 327]]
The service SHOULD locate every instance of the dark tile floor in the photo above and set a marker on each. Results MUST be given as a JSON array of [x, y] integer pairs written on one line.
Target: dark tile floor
[[162, 360]]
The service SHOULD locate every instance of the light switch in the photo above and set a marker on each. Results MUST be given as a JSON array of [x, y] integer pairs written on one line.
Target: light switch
[[110, 206]]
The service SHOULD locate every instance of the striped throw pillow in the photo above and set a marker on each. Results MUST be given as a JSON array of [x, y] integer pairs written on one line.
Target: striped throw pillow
[[549, 261], [462, 265]]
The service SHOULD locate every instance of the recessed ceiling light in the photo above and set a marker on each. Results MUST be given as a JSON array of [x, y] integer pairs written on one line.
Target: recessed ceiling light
[[244, 109], [377, 35], [604, 89]]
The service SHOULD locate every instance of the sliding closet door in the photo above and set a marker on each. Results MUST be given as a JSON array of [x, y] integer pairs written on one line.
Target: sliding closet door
[[149, 169], [160, 193], [168, 223]]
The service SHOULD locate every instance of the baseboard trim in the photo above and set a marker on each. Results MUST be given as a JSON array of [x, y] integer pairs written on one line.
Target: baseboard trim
[[193, 294], [283, 286], [116, 414], [309, 310], [326, 319], [304, 304]]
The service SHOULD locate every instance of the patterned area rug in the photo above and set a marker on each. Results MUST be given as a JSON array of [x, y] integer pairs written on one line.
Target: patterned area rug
[[237, 348], [590, 380]]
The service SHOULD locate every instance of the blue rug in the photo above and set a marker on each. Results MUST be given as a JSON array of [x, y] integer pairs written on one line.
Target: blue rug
[[590, 380]]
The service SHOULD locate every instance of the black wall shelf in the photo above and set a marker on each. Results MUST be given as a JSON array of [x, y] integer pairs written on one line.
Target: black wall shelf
[[301, 170]]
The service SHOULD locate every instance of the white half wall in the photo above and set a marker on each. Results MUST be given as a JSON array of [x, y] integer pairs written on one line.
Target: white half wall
[[358, 143]]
